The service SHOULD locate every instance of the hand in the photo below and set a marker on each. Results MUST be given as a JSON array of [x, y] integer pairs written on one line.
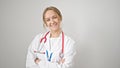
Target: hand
[[61, 61], [37, 60]]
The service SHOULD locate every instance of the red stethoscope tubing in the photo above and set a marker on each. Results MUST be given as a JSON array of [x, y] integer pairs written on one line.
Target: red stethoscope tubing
[[45, 39], [62, 42]]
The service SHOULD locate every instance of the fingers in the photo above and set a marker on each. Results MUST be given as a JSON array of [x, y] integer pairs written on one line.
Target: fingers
[[61, 61], [37, 60]]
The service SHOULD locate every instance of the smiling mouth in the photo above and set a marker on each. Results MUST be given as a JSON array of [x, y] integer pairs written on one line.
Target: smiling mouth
[[54, 25]]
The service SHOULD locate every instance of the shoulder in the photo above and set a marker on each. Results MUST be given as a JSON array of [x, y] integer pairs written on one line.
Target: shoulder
[[37, 38], [68, 40], [69, 44], [35, 41], [39, 35]]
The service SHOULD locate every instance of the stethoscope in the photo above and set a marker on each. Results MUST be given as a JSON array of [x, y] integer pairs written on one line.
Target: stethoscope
[[49, 56]]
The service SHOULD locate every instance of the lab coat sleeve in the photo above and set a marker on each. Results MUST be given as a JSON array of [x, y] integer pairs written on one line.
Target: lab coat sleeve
[[69, 53], [31, 55]]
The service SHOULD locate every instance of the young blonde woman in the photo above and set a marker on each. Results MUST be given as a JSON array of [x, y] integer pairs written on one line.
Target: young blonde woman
[[52, 49]]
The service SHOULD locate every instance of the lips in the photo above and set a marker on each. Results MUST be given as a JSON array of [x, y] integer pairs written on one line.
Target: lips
[[54, 25]]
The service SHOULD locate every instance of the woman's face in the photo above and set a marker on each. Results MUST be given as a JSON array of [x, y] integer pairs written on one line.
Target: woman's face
[[52, 20]]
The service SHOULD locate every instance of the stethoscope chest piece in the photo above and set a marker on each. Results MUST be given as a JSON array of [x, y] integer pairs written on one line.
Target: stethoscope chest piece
[[49, 55]]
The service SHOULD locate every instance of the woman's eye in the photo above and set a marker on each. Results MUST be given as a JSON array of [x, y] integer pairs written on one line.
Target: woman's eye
[[47, 20], [54, 17]]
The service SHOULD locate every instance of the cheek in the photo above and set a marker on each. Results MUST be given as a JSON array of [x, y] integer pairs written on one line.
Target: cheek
[[47, 24], [57, 20]]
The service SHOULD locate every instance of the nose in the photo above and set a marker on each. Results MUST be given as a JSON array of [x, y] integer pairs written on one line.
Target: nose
[[51, 21]]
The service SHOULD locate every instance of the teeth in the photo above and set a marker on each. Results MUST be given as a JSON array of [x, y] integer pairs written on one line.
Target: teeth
[[54, 24]]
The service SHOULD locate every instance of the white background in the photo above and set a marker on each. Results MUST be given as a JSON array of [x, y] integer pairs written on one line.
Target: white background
[[93, 24]]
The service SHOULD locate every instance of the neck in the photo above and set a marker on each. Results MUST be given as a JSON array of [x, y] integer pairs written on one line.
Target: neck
[[54, 34]]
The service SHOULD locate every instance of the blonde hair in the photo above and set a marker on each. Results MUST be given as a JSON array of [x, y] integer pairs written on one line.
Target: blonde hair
[[55, 10]]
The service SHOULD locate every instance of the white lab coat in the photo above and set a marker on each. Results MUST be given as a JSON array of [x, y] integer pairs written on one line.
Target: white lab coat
[[52, 45]]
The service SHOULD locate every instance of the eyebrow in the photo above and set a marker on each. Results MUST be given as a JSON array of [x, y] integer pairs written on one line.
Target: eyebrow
[[52, 16], [46, 18]]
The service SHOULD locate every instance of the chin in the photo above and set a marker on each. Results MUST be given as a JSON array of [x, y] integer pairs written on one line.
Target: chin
[[54, 29]]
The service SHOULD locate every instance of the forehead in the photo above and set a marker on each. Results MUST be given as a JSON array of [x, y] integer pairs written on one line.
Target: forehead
[[50, 13]]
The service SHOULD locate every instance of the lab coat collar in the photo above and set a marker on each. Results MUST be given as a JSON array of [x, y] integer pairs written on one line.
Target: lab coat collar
[[48, 36]]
